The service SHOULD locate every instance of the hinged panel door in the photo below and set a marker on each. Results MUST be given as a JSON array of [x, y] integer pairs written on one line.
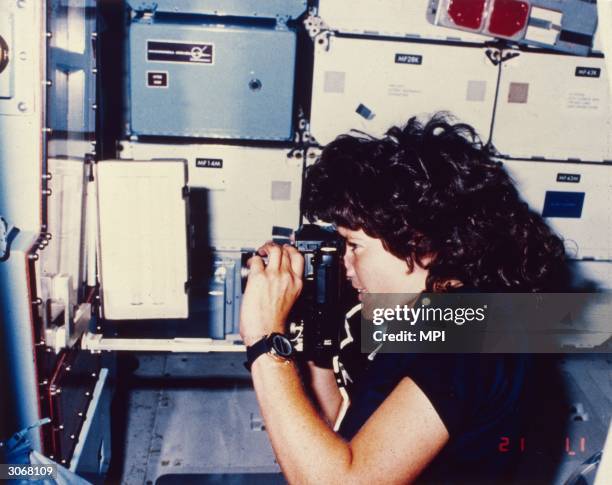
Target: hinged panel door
[[143, 239]]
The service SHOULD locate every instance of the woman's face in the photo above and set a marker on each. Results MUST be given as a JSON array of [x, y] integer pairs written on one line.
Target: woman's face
[[373, 269]]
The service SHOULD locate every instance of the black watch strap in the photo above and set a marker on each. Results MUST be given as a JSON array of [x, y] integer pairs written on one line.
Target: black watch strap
[[276, 342], [260, 347]]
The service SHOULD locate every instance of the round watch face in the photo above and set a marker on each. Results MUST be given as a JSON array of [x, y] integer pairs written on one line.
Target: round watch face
[[282, 345]]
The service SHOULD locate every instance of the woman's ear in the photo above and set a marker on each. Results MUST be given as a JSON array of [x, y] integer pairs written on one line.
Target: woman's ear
[[446, 285], [423, 262]]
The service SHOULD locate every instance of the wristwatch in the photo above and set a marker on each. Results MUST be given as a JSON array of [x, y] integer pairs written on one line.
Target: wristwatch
[[276, 344]]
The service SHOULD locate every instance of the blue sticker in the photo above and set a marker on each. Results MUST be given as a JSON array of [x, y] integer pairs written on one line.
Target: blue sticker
[[563, 204], [364, 112], [7, 236]]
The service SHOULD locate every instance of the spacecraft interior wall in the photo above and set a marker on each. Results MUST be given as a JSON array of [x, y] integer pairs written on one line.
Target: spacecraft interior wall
[[65, 220], [250, 190], [397, 18], [574, 199], [210, 80], [370, 85], [563, 105], [239, 8]]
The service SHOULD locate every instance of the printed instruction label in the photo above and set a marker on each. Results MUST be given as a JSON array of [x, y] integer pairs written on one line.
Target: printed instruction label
[[588, 71], [209, 162], [583, 101], [408, 59], [568, 177], [402, 90], [183, 52], [157, 79]]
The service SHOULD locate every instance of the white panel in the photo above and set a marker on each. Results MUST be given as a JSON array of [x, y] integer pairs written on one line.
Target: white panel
[[256, 188], [589, 273], [546, 110], [65, 220], [599, 39], [590, 235], [143, 240], [21, 117], [353, 72], [388, 17]]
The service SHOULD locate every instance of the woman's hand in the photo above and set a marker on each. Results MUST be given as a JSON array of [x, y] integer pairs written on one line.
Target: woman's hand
[[271, 291]]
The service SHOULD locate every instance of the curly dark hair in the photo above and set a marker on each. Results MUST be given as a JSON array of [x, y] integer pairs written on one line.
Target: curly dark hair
[[433, 190]]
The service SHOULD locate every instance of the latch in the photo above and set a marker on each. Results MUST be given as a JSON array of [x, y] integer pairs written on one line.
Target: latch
[[4, 54]]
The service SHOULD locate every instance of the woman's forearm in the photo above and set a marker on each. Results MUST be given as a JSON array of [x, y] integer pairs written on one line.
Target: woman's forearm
[[305, 446], [325, 390]]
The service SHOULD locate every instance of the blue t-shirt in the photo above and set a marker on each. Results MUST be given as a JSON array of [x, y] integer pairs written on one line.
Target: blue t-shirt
[[480, 398]]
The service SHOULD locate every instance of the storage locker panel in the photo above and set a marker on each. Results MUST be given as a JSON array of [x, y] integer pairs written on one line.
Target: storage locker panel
[[370, 85], [19, 56], [574, 199], [554, 107], [65, 216], [70, 68], [592, 275], [238, 8], [6, 40], [143, 239], [215, 81], [250, 190], [397, 18]]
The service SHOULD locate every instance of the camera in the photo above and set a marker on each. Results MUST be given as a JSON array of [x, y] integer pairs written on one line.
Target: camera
[[315, 319]]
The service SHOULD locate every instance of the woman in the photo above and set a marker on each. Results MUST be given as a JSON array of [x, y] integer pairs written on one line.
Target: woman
[[422, 209]]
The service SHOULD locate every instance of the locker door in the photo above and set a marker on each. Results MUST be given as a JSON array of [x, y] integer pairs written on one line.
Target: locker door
[[398, 18], [370, 85], [143, 239], [554, 107], [574, 198]]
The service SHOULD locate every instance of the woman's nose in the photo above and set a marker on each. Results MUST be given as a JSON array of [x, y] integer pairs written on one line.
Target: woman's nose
[[348, 264]]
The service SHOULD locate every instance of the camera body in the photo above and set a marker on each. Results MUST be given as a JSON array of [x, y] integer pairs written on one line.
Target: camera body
[[315, 319], [320, 308]]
